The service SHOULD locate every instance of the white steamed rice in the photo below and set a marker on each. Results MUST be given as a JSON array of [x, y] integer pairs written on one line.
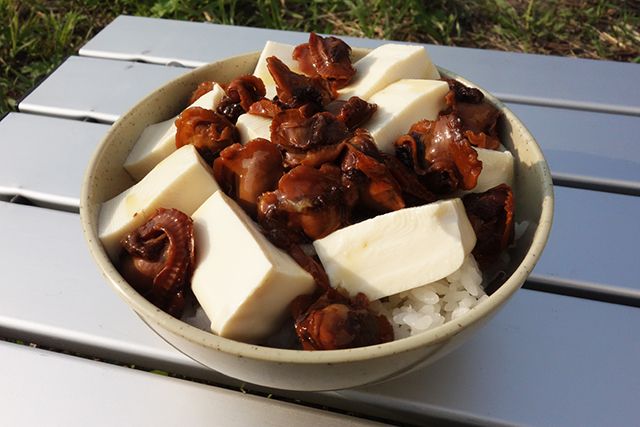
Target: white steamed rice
[[423, 308], [410, 312]]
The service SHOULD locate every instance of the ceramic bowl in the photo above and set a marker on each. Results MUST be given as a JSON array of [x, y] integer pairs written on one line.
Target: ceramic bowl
[[294, 369]]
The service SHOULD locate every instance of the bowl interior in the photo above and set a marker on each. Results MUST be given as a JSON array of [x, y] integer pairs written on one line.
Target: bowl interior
[[105, 178]]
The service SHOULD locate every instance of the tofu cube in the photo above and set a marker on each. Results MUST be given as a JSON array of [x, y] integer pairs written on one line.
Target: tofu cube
[[251, 126], [242, 281], [398, 251], [284, 52], [387, 64], [400, 105], [181, 181], [497, 168], [159, 140]]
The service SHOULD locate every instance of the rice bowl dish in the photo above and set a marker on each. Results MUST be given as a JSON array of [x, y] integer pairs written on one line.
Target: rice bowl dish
[[421, 317]]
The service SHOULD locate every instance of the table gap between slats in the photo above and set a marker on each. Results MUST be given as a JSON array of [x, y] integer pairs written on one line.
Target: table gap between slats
[[617, 187], [581, 289]]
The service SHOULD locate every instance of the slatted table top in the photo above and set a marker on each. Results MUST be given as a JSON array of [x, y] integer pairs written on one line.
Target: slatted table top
[[564, 350]]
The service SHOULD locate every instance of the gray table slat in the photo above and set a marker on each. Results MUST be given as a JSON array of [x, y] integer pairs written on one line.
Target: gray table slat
[[587, 148], [86, 88], [582, 216], [544, 360], [152, 40], [69, 391], [44, 158], [593, 243], [590, 149], [537, 79], [49, 282], [539, 342]]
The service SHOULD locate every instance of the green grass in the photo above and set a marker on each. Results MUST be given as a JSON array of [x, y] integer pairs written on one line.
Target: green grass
[[36, 36]]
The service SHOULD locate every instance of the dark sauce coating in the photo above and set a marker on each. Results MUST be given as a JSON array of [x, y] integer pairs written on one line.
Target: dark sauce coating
[[464, 93], [438, 152], [414, 192], [208, 131], [492, 218], [363, 168], [328, 57], [314, 157], [308, 201], [291, 129], [244, 172], [241, 93], [479, 119], [295, 90], [334, 322], [265, 107], [354, 112]]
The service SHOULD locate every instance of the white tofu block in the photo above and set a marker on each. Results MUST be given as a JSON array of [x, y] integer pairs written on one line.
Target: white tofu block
[[242, 281], [497, 168], [156, 143], [387, 64], [398, 251], [400, 105], [181, 181], [211, 99], [284, 53], [159, 140], [252, 126]]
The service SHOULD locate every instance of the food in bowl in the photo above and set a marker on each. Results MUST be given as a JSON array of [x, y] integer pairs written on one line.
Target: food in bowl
[[324, 195], [293, 369]]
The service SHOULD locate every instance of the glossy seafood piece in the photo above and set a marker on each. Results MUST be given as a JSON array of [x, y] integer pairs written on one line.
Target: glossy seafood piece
[[328, 57], [365, 169], [308, 201], [158, 259], [241, 92], [295, 90], [314, 157], [414, 192], [334, 322], [354, 112], [208, 131], [244, 172], [440, 154], [479, 118], [292, 129], [266, 108], [491, 216]]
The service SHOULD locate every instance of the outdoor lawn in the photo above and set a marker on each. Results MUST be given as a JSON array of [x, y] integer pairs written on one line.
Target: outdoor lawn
[[36, 36]]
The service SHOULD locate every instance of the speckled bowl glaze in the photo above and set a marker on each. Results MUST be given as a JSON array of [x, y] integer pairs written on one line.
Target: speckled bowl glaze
[[292, 369]]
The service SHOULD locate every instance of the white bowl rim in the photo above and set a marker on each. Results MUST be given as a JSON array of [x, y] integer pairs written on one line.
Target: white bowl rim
[[277, 355]]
